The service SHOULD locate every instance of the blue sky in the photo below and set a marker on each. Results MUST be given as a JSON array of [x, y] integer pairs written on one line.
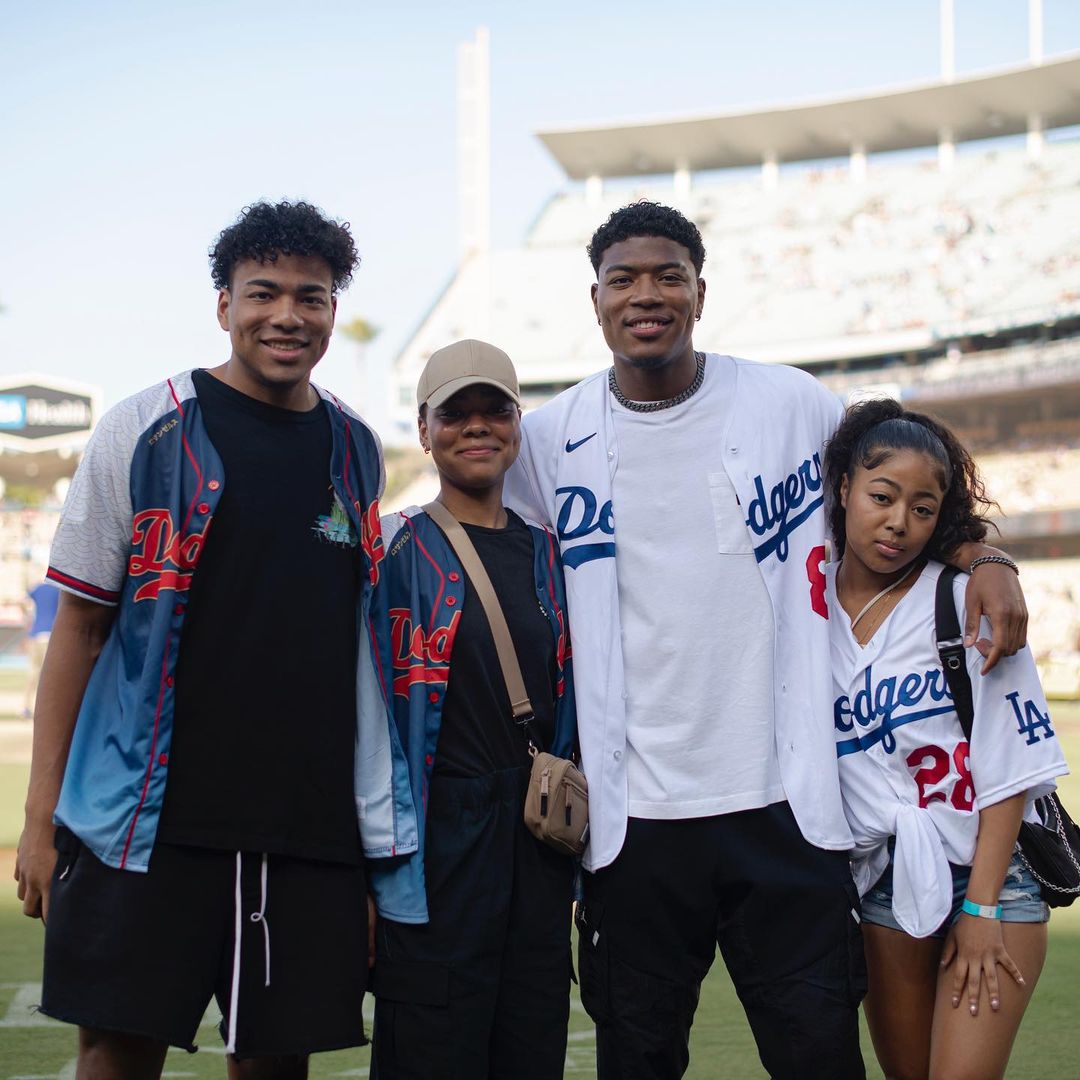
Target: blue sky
[[135, 131]]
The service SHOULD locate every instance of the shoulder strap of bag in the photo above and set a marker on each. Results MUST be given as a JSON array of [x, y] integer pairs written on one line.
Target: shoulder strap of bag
[[504, 645], [950, 647]]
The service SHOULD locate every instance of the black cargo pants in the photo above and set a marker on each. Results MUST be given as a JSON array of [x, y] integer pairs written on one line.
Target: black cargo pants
[[483, 989], [785, 915]]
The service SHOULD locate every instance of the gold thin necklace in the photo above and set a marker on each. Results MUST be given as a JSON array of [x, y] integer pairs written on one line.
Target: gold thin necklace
[[884, 592]]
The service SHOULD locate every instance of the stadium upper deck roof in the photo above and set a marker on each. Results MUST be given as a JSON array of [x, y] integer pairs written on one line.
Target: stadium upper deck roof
[[976, 107]]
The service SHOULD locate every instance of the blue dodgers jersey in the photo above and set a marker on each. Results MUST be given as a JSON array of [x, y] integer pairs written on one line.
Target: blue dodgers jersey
[[130, 535], [423, 587]]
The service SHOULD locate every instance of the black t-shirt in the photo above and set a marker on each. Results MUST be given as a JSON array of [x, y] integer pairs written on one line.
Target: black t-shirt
[[478, 735], [265, 723]]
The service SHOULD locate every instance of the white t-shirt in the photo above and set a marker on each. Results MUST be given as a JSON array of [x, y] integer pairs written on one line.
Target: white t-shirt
[[698, 637], [771, 442]]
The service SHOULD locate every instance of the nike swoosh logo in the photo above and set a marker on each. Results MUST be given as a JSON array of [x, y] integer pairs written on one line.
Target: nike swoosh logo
[[572, 446]]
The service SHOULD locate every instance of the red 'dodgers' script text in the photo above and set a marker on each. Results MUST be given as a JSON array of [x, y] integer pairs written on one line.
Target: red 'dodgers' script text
[[161, 554]]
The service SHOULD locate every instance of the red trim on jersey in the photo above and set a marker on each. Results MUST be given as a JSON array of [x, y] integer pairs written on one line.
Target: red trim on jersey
[[562, 647], [438, 570], [194, 464], [153, 751], [85, 587]]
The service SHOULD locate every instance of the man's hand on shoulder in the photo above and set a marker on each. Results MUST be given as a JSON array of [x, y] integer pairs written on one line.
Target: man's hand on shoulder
[[994, 591]]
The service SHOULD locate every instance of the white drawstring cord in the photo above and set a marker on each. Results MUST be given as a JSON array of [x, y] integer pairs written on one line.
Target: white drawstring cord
[[234, 995], [260, 917], [238, 926]]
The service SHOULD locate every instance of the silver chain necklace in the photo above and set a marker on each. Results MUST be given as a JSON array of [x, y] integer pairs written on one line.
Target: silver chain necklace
[[667, 403]]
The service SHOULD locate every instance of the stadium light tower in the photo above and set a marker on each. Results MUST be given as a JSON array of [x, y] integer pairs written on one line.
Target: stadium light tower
[[947, 21], [1035, 31], [474, 145], [474, 179], [948, 40], [1035, 137]]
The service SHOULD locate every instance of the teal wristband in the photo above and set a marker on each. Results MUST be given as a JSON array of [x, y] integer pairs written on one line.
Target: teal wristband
[[981, 911]]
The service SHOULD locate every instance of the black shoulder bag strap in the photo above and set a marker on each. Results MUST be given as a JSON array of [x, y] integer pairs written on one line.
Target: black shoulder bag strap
[[950, 647]]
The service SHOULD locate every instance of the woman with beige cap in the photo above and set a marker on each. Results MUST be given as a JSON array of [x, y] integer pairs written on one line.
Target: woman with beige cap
[[472, 966]]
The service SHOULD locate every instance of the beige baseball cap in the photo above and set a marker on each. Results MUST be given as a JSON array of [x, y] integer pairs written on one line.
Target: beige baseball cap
[[466, 363]]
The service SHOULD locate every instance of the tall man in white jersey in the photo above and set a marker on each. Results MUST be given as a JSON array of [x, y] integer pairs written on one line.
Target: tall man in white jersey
[[687, 493]]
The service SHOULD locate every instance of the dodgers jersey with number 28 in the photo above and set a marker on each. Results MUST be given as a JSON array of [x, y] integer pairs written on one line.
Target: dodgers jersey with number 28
[[906, 769]]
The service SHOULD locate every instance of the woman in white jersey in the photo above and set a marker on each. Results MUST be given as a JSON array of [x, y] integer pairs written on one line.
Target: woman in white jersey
[[954, 926]]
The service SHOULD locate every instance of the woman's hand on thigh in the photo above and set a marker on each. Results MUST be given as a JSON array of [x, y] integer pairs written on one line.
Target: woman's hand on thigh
[[976, 1046], [975, 947]]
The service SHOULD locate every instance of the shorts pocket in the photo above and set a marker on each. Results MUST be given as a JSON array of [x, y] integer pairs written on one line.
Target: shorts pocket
[[68, 846], [411, 1033], [732, 537], [411, 982], [857, 981], [593, 978]]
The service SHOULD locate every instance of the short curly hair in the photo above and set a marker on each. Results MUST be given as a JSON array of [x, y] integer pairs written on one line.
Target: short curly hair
[[870, 432], [646, 218], [263, 231]]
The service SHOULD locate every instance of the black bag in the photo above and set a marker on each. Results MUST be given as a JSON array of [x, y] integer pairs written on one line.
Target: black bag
[[1051, 851]]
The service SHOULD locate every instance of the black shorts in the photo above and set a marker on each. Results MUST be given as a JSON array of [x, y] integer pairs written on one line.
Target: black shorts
[[143, 953]]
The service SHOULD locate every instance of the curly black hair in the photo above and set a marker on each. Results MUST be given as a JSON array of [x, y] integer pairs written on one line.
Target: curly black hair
[[264, 231], [646, 218], [870, 432]]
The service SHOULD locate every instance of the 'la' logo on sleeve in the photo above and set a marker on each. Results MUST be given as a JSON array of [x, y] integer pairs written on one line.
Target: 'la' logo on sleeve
[[1029, 720]]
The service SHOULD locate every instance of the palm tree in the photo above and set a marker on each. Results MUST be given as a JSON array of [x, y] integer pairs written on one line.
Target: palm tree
[[369, 392], [359, 330]]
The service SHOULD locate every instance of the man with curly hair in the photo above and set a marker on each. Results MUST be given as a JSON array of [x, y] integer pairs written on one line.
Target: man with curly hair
[[686, 491], [191, 826]]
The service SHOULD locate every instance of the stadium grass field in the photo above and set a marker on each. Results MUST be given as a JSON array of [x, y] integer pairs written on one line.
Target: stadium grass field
[[34, 1048]]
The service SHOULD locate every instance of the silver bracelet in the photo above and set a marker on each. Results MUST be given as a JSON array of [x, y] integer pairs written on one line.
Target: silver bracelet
[[1003, 559]]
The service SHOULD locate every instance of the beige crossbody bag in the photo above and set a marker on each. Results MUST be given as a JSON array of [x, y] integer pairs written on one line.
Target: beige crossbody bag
[[557, 802]]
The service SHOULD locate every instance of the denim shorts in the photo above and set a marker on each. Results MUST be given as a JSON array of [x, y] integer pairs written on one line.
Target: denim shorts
[[1020, 898]]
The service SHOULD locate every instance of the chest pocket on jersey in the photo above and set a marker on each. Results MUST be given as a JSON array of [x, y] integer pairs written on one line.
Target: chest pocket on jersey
[[732, 537]]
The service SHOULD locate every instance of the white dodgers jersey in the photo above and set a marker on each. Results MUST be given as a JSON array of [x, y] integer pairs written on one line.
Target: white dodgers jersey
[[906, 768]]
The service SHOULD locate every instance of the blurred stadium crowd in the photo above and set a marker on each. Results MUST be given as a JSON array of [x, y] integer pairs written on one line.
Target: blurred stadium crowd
[[957, 291]]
